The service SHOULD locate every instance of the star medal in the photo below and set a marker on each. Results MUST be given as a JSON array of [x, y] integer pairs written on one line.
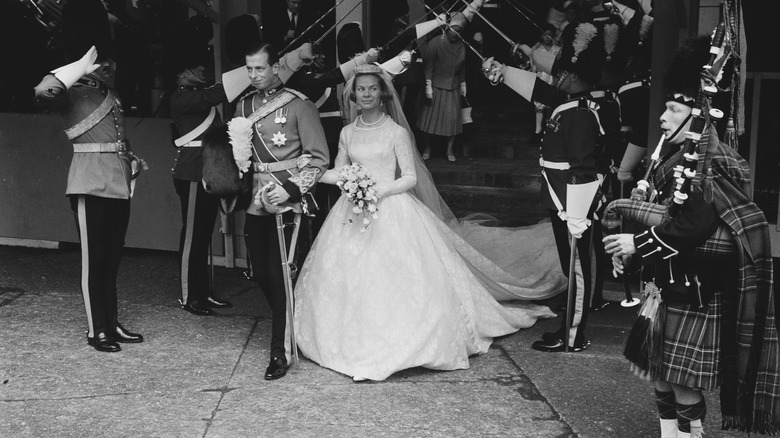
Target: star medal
[[279, 139]]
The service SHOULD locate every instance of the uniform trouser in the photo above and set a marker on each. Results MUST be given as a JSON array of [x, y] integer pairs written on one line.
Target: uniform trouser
[[102, 225], [198, 214], [582, 272], [264, 253]]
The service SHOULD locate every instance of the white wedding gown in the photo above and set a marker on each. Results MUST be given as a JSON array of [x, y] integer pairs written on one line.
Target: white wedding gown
[[409, 291]]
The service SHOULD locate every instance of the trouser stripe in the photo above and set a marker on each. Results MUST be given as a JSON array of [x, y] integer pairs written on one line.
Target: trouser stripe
[[187, 247], [579, 301], [83, 236]]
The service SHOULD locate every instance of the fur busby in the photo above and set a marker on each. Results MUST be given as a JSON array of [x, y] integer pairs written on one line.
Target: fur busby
[[220, 174], [186, 48], [581, 53], [85, 24], [241, 33], [349, 42], [683, 77]]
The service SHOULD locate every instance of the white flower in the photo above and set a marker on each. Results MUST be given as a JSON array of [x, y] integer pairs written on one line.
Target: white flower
[[372, 207], [356, 210]]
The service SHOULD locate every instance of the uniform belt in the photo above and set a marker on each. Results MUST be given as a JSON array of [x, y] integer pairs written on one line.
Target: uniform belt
[[275, 167], [554, 165], [118, 146], [330, 114], [192, 144]]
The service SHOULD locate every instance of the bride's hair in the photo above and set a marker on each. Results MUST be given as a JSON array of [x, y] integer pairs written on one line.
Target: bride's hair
[[385, 93]]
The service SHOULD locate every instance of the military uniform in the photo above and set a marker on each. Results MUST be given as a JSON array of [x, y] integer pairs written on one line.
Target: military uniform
[[193, 111], [569, 157], [286, 127], [99, 188]]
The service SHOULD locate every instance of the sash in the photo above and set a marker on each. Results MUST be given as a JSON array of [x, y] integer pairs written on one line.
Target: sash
[[91, 120], [272, 106], [200, 129]]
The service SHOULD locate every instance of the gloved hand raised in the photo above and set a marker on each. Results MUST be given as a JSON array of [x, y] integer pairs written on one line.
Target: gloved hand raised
[[71, 73]]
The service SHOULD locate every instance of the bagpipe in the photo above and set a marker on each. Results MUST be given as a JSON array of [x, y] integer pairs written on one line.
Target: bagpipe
[[643, 207]]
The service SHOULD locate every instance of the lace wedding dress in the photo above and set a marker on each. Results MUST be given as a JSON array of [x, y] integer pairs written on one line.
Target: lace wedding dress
[[409, 291]]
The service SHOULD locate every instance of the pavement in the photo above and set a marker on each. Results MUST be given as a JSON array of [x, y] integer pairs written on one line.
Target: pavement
[[203, 376]]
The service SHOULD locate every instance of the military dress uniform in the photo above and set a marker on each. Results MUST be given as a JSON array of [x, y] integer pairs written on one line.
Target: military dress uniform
[[569, 157], [193, 111], [289, 150], [99, 188]]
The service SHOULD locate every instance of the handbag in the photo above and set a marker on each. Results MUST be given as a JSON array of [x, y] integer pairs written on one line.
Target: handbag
[[465, 111]]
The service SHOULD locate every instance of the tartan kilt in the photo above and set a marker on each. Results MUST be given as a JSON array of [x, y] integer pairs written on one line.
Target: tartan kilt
[[691, 355], [441, 115]]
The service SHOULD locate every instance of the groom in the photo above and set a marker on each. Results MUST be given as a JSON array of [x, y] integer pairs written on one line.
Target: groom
[[290, 154]]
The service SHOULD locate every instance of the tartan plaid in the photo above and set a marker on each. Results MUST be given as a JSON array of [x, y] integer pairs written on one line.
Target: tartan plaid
[[691, 344], [750, 356]]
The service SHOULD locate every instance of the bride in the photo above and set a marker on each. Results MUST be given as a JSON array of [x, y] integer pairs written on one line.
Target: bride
[[410, 290]]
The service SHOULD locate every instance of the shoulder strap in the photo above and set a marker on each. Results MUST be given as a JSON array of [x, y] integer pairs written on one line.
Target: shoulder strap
[[200, 129], [91, 120]]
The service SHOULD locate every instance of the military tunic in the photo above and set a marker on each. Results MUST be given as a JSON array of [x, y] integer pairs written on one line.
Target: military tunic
[[99, 188], [190, 107]]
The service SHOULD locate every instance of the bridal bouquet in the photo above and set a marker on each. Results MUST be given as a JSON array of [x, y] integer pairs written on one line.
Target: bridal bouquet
[[355, 182]]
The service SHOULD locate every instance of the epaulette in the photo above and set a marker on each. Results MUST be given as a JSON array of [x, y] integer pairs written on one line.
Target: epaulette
[[297, 93]]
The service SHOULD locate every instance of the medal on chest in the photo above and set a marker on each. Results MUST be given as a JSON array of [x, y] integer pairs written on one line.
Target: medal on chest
[[280, 117], [554, 123]]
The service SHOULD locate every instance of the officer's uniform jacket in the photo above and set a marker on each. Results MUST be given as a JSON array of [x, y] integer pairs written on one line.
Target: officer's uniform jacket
[[320, 88], [609, 149], [103, 174], [190, 106], [285, 134], [570, 140]]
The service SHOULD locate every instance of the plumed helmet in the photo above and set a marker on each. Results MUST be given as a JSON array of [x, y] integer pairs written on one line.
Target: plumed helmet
[[683, 77], [85, 24], [581, 53], [241, 33]]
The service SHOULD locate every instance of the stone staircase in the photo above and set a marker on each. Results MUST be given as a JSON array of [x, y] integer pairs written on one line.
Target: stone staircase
[[501, 175]]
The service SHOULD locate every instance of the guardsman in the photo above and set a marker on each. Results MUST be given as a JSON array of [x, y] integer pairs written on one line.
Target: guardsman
[[100, 179], [193, 112], [288, 154], [569, 167]]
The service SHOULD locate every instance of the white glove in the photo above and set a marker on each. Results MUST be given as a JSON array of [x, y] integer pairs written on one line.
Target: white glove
[[577, 226], [299, 57], [372, 55], [71, 73], [478, 38], [463, 88], [405, 57], [631, 159], [428, 89]]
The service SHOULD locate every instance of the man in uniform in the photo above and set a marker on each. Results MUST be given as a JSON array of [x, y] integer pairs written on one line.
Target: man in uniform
[[569, 165], [101, 171], [289, 155], [193, 111]]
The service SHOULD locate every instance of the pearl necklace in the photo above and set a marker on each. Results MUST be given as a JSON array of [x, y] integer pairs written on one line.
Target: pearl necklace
[[374, 123]]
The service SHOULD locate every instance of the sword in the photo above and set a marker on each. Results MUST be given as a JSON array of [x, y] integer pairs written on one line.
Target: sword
[[511, 43], [314, 24]]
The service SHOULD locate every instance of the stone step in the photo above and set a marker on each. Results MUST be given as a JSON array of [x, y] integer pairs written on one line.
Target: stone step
[[512, 207], [487, 172]]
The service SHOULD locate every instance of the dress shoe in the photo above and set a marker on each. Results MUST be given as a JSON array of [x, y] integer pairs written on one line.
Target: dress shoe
[[120, 334], [197, 309], [276, 369], [556, 345], [102, 342], [552, 336], [214, 302]]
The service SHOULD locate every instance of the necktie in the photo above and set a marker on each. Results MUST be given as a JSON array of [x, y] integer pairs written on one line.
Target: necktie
[[292, 21]]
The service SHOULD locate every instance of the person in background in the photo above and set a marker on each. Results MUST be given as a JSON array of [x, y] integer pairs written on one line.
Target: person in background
[[193, 108]]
